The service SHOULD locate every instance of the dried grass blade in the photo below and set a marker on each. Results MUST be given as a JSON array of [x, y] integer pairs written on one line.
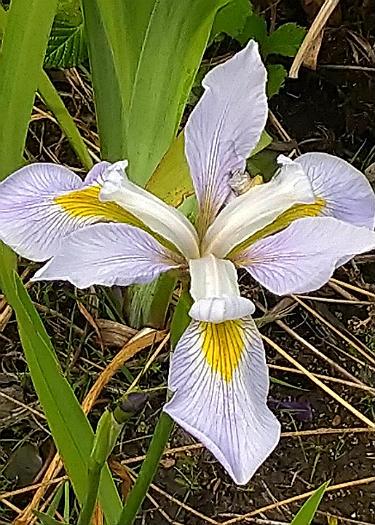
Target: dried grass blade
[[319, 383]]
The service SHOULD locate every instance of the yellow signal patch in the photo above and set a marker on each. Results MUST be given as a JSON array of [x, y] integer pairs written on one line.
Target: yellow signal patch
[[298, 211], [85, 204], [223, 345]]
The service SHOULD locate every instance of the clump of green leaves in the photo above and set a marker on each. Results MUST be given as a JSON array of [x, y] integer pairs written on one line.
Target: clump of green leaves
[[67, 45], [239, 21]]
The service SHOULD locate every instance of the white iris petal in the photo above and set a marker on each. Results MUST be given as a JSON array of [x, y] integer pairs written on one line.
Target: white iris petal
[[161, 218], [215, 290], [257, 208]]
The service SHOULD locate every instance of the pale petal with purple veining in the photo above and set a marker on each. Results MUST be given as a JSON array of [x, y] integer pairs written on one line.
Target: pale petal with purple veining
[[219, 377], [96, 173], [109, 254], [30, 222], [346, 191], [225, 126], [303, 257]]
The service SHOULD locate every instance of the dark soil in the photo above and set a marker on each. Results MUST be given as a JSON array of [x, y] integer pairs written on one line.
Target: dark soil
[[331, 109]]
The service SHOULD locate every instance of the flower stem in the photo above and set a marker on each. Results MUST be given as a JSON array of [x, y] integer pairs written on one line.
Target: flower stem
[[88, 508], [180, 322], [148, 470]]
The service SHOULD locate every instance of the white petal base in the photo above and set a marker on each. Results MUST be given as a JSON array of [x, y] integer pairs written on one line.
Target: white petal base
[[214, 288], [220, 309], [158, 216]]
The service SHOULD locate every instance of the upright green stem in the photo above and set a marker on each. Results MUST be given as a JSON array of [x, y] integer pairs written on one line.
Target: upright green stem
[[148, 304], [163, 428], [109, 428], [148, 470], [160, 303], [94, 472]]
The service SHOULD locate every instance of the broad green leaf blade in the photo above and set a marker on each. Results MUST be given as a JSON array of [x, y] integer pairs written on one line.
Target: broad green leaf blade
[[128, 23], [150, 302], [285, 40], [276, 78], [181, 318], [21, 60], [171, 180], [231, 18], [161, 86], [308, 510], [264, 164], [264, 141], [24, 43], [104, 25], [143, 73], [3, 19], [116, 32], [66, 45], [55, 104], [20, 67], [69, 426]]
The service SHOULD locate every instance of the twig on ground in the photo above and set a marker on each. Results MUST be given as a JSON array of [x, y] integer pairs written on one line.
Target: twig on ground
[[312, 348], [124, 472], [353, 287], [295, 434], [344, 293], [149, 362], [10, 505], [25, 407], [319, 383], [30, 488], [336, 301], [325, 378], [313, 34], [352, 341], [299, 497]]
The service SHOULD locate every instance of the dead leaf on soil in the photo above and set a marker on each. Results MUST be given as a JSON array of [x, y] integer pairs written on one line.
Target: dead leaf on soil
[[113, 333], [23, 465], [126, 481]]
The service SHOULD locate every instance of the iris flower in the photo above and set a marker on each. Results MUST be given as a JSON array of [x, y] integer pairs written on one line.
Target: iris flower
[[289, 234]]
